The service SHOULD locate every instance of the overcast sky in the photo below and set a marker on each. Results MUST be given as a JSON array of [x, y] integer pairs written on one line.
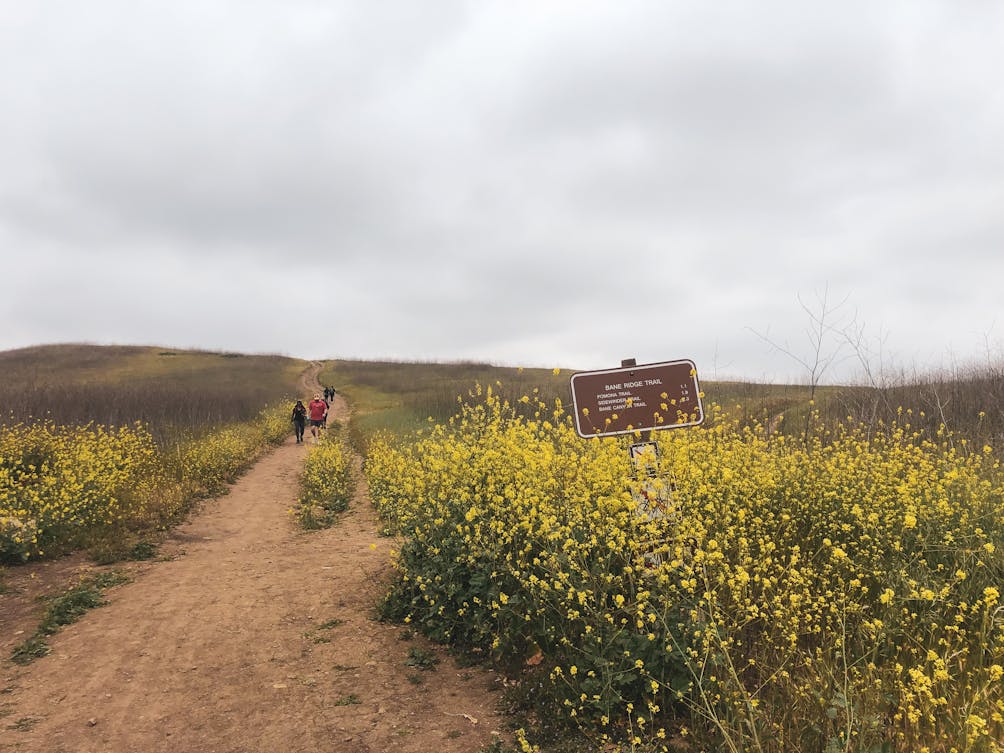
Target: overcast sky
[[528, 183]]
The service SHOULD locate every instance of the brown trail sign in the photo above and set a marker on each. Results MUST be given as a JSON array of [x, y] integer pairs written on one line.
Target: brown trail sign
[[637, 398]]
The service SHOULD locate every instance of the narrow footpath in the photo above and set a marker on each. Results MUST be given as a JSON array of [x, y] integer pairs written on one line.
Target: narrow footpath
[[249, 635]]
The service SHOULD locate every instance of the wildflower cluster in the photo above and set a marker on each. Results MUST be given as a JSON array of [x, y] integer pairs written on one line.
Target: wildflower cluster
[[206, 463], [839, 591], [62, 485], [326, 483], [57, 483]]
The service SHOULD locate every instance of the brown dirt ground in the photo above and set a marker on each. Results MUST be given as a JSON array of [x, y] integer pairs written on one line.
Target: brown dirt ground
[[219, 647]]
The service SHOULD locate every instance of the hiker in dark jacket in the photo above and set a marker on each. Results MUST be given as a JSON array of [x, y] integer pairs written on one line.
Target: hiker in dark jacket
[[299, 420]]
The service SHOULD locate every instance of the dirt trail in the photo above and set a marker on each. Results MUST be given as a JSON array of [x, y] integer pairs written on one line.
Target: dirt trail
[[255, 636]]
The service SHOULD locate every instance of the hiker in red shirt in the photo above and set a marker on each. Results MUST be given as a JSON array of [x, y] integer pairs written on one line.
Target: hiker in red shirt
[[318, 410]]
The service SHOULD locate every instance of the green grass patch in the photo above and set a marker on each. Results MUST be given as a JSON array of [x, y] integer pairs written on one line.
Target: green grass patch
[[421, 659], [119, 547], [327, 625], [27, 651], [24, 724], [65, 609]]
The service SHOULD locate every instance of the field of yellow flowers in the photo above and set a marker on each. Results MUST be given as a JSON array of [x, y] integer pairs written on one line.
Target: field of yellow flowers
[[745, 592], [66, 486]]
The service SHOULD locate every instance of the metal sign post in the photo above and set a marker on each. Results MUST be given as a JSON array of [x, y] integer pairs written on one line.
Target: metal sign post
[[635, 399], [653, 494]]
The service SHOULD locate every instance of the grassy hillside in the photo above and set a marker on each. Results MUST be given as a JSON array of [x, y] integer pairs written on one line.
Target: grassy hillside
[[400, 396], [167, 389], [170, 388], [101, 447]]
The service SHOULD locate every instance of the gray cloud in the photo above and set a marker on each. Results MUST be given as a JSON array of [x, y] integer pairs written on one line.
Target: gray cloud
[[571, 183]]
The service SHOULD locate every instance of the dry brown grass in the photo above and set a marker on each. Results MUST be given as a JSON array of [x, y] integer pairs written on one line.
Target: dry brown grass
[[966, 400], [172, 391]]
